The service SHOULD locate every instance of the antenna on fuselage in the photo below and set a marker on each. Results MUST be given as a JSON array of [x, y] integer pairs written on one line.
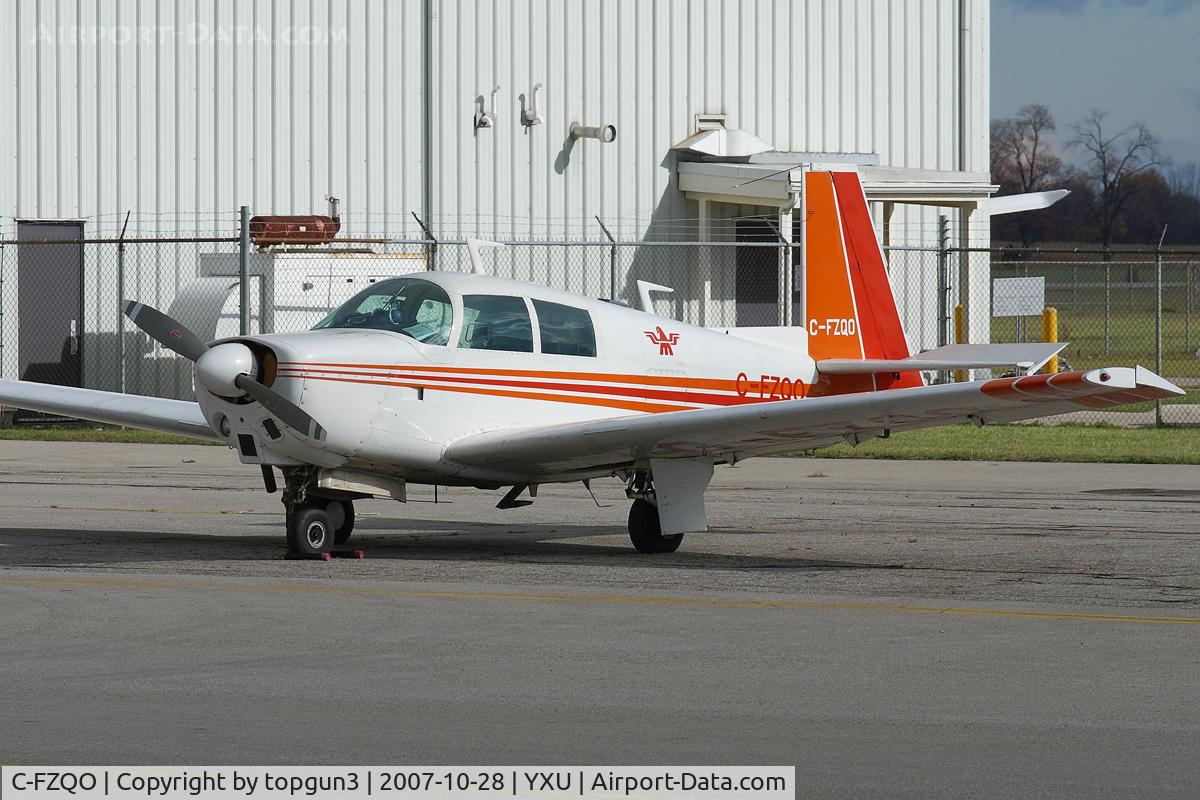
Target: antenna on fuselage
[[473, 246]]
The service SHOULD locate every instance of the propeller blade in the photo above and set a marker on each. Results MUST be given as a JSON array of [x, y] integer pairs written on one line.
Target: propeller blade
[[285, 410], [164, 330]]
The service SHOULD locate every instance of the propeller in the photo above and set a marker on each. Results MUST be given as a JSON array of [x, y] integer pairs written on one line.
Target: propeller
[[164, 330], [228, 369]]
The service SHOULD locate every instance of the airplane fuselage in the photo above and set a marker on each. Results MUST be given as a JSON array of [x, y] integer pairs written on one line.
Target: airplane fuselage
[[390, 403]]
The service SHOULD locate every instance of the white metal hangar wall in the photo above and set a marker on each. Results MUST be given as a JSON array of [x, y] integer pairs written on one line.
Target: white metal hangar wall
[[184, 111], [180, 112]]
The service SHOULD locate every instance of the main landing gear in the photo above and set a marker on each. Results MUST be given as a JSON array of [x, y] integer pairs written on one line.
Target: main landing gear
[[315, 523], [645, 531]]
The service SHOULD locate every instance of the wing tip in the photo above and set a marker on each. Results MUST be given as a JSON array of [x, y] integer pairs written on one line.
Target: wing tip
[[1151, 380]]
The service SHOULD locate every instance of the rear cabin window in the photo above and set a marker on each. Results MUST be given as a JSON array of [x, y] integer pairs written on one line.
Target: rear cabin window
[[566, 331], [495, 322]]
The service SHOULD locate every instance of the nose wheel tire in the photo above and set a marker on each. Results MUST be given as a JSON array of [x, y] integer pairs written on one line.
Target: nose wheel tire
[[341, 533], [645, 531], [309, 531]]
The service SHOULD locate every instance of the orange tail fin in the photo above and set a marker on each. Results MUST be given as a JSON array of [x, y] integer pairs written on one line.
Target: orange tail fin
[[850, 310]]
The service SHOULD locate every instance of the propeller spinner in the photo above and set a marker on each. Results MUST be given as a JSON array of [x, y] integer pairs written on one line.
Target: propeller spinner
[[228, 369]]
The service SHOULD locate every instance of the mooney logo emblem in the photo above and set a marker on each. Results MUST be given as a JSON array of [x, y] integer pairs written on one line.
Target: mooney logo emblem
[[666, 341]]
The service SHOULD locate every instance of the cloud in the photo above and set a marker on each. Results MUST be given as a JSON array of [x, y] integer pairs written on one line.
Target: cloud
[[1163, 7]]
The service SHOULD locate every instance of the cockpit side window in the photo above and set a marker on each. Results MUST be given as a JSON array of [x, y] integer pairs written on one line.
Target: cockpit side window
[[413, 307], [565, 330], [496, 322]]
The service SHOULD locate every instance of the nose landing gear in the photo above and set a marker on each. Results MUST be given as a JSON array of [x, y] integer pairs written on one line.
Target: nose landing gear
[[310, 531], [315, 523]]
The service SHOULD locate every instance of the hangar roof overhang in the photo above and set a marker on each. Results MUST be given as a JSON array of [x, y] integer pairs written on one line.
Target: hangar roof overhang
[[776, 185]]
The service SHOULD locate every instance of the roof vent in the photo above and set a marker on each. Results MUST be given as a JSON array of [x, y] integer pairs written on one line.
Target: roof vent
[[709, 122]]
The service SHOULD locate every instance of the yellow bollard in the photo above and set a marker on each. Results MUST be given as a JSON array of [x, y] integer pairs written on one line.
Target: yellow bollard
[[960, 375], [1050, 334]]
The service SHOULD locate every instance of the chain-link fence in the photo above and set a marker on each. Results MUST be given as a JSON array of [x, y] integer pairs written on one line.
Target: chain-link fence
[[1114, 308], [61, 322]]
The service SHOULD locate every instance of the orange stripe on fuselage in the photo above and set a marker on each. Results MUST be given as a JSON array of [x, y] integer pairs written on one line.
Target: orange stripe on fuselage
[[649, 380], [628, 405], [626, 391]]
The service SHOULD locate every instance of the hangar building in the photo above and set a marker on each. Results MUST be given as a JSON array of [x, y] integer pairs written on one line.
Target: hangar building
[[462, 114]]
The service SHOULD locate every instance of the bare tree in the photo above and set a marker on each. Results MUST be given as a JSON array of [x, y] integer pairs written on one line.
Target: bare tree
[[1185, 179], [1113, 159], [1023, 160]]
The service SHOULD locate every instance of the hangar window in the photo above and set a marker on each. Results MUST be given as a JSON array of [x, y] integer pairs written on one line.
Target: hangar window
[[409, 306], [566, 330], [495, 322]]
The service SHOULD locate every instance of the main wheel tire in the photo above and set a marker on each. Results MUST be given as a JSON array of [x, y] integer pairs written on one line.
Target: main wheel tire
[[341, 534], [645, 530], [309, 531]]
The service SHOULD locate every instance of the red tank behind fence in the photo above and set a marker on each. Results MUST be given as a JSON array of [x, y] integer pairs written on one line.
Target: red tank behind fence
[[294, 229]]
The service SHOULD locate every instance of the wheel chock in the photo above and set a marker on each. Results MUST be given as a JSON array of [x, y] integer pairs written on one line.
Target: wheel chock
[[332, 554]]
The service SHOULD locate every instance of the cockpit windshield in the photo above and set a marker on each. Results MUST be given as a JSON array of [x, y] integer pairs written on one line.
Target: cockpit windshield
[[411, 306]]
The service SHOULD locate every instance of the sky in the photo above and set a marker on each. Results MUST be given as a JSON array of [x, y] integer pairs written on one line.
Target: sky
[[1137, 59]]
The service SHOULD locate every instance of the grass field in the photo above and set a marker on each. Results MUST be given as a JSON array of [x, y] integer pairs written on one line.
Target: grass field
[[1080, 443], [1077, 443], [76, 433], [1130, 340], [1077, 288]]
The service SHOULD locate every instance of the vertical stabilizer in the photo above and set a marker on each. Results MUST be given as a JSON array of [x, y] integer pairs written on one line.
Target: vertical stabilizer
[[850, 310]]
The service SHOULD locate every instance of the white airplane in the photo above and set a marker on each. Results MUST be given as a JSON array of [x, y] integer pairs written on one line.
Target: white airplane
[[472, 380]]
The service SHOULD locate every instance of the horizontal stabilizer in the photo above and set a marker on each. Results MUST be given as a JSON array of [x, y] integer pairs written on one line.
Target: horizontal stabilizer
[[1024, 357], [1030, 201]]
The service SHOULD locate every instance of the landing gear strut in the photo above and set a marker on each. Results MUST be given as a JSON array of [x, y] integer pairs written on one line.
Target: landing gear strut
[[645, 530]]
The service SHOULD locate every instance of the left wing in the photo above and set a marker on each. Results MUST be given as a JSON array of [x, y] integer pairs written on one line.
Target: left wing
[[151, 413], [732, 433]]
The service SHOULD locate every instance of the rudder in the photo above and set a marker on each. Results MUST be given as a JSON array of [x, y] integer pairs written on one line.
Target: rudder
[[850, 309]]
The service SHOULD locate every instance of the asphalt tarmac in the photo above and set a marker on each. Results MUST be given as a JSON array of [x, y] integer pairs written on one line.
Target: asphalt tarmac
[[894, 629]]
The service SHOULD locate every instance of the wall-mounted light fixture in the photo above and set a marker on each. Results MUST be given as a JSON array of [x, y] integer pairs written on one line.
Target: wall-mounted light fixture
[[530, 115], [601, 133], [485, 118]]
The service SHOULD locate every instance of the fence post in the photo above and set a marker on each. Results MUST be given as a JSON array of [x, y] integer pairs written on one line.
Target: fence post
[[431, 258], [1187, 305], [943, 287], [612, 260], [3, 255], [244, 273], [959, 337], [1107, 301], [1158, 277], [121, 302]]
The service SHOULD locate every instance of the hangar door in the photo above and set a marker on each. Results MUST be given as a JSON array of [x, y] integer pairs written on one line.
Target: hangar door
[[50, 302]]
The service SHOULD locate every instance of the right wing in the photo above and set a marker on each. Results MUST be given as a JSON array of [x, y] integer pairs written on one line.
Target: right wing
[[151, 413], [731, 433]]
